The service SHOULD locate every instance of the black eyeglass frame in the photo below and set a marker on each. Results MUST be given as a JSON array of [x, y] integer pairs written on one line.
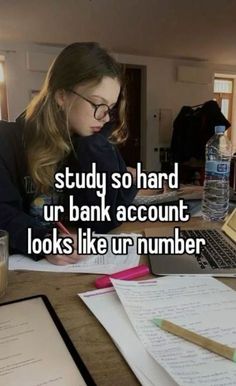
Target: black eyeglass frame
[[109, 111]]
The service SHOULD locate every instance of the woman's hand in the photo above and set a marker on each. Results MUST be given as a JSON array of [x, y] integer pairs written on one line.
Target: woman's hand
[[65, 259]]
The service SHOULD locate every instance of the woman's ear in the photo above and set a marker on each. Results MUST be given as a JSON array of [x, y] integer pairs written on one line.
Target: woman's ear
[[60, 97]]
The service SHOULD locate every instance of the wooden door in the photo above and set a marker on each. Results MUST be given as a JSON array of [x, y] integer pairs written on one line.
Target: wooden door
[[131, 149], [3, 94]]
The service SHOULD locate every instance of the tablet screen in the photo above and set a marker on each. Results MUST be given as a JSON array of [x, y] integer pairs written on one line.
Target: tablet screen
[[32, 350], [232, 222], [229, 226]]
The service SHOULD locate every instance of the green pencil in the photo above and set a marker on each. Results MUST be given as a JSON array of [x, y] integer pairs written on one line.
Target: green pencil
[[208, 344]]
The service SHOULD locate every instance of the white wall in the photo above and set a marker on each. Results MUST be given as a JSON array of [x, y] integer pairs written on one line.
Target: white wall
[[20, 81], [163, 89]]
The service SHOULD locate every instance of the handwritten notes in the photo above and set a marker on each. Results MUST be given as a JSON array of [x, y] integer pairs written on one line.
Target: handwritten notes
[[203, 305], [105, 305], [106, 264]]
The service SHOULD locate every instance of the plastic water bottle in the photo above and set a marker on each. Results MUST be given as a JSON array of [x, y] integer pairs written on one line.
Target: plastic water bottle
[[215, 201]]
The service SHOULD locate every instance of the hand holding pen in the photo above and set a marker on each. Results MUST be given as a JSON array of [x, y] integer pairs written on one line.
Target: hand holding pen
[[65, 259]]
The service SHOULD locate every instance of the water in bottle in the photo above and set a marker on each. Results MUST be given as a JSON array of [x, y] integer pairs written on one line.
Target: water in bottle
[[215, 201]]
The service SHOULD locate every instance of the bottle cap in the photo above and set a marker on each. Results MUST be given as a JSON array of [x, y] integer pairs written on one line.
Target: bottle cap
[[219, 129]]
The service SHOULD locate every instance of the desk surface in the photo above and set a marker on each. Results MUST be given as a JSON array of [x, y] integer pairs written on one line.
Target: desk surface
[[97, 350]]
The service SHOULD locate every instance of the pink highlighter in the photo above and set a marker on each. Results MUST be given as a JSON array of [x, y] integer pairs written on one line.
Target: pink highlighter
[[128, 274]]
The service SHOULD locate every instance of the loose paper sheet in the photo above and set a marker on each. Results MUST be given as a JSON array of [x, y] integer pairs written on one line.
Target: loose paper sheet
[[106, 306], [203, 305], [104, 264]]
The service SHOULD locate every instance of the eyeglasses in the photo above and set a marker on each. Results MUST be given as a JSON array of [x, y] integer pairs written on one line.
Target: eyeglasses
[[100, 110]]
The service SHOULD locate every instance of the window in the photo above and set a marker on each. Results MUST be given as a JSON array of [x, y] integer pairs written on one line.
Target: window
[[3, 94], [223, 94]]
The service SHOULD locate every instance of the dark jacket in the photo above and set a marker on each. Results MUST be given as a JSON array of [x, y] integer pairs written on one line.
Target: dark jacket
[[192, 128], [17, 213]]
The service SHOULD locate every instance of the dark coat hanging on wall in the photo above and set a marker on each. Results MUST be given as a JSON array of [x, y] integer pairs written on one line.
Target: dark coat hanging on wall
[[192, 128]]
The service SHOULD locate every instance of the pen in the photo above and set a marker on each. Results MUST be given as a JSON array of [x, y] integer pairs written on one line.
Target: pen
[[62, 227], [208, 344]]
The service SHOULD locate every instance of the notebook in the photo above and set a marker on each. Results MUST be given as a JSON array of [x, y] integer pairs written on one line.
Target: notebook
[[217, 258]]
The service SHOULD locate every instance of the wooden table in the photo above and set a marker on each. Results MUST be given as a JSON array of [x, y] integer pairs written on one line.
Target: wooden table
[[96, 348]]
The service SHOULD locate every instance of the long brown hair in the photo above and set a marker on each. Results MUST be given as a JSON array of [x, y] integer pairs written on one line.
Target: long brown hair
[[47, 136]]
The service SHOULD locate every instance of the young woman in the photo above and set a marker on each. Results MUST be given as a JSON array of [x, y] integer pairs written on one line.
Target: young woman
[[76, 119]]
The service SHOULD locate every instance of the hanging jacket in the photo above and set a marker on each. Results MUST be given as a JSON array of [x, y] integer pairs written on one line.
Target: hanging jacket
[[192, 128]]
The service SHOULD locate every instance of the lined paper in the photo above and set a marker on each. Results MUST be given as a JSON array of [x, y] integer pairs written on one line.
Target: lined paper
[[202, 305], [104, 264]]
